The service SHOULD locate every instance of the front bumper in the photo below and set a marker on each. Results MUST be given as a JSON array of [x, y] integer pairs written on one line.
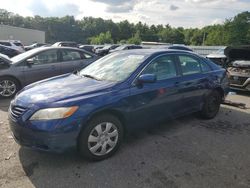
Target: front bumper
[[51, 141], [239, 82]]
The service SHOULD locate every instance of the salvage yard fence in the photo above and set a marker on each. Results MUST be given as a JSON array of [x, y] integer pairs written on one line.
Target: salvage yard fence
[[201, 50], [205, 50]]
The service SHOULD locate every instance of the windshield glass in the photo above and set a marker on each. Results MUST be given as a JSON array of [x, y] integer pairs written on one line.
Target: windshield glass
[[24, 55], [114, 67]]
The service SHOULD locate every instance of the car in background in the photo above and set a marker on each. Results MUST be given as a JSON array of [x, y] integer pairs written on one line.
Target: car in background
[[218, 57], [126, 47], [105, 50], [97, 47], [41, 63], [14, 44], [91, 109], [180, 47], [239, 67], [10, 52], [89, 48], [34, 45], [66, 44]]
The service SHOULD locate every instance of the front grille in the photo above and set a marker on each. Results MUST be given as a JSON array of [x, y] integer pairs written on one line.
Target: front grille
[[16, 111], [237, 80]]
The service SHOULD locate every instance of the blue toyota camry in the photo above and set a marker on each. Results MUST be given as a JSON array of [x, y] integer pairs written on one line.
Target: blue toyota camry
[[91, 109]]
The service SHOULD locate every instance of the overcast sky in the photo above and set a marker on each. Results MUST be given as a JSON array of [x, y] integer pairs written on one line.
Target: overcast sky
[[186, 13]]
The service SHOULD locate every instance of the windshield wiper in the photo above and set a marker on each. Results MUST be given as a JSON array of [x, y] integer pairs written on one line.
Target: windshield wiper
[[90, 76]]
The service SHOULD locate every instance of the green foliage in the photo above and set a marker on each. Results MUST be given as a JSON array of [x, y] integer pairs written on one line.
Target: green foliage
[[102, 38], [235, 31], [136, 39]]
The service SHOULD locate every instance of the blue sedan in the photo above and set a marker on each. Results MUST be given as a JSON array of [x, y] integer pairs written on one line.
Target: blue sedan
[[91, 109]]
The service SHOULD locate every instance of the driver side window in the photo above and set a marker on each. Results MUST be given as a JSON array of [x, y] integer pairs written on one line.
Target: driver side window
[[163, 67]]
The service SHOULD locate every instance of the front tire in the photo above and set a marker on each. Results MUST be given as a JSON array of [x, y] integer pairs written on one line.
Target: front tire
[[211, 105], [101, 138], [8, 87]]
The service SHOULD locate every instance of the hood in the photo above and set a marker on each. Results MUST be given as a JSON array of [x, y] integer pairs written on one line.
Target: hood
[[242, 63], [238, 53], [62, 88]]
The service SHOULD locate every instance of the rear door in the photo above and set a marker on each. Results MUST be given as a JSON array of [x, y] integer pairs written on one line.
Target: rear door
[[194, 82], [72, 60], [44, 65]]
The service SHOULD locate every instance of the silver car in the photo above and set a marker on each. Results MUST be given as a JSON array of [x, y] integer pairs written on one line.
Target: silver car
[[38, 64]]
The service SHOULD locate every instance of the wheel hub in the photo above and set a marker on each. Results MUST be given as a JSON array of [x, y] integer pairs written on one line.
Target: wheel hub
[[7, 88], [103, 138]]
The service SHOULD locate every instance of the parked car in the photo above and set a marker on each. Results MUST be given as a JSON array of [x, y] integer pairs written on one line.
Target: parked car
[[96, 47], [66, 44], [218, 57], [8, 51], [34, 45], [14, 44], [105, 50], [239, 67], [92, 109], [41, 63], [89, 48], [180, 47], [125, 47]]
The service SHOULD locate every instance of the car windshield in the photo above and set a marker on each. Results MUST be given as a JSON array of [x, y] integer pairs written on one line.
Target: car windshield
[[23, 55], [114, 67]]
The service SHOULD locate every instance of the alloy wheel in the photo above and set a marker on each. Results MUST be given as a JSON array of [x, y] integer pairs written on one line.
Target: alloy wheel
[[7, 88]]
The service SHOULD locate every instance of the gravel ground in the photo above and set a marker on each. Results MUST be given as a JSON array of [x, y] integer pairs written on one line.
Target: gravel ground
[[187, 152]]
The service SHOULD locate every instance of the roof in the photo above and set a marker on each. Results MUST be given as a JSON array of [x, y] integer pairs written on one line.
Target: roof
[[153, 51]]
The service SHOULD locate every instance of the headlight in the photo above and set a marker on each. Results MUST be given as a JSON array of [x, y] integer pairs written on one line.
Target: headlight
[[54, 113]]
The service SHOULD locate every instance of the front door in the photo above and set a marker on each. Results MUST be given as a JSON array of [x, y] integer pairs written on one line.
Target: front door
[[156, 101], [41, 66]]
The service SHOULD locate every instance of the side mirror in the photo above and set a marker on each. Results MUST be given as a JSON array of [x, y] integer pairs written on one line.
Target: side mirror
[[146, 78], [30, 61]]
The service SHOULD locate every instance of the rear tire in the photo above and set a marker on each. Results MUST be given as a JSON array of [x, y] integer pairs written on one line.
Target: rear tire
[[101, 138], [211, 105], [8, 87]]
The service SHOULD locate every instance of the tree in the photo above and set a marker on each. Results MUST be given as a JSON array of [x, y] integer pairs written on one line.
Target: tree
[[136, 39], [102, 38]]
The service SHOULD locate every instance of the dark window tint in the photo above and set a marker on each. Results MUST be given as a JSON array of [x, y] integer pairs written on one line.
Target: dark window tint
[[163, 67], [46, 57], [5, 43], [189, 65], [71, 55]]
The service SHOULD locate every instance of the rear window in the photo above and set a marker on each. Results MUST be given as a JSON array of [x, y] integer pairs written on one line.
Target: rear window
[[5, 43]]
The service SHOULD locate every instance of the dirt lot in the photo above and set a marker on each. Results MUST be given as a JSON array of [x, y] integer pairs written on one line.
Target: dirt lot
[[187, 152]]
